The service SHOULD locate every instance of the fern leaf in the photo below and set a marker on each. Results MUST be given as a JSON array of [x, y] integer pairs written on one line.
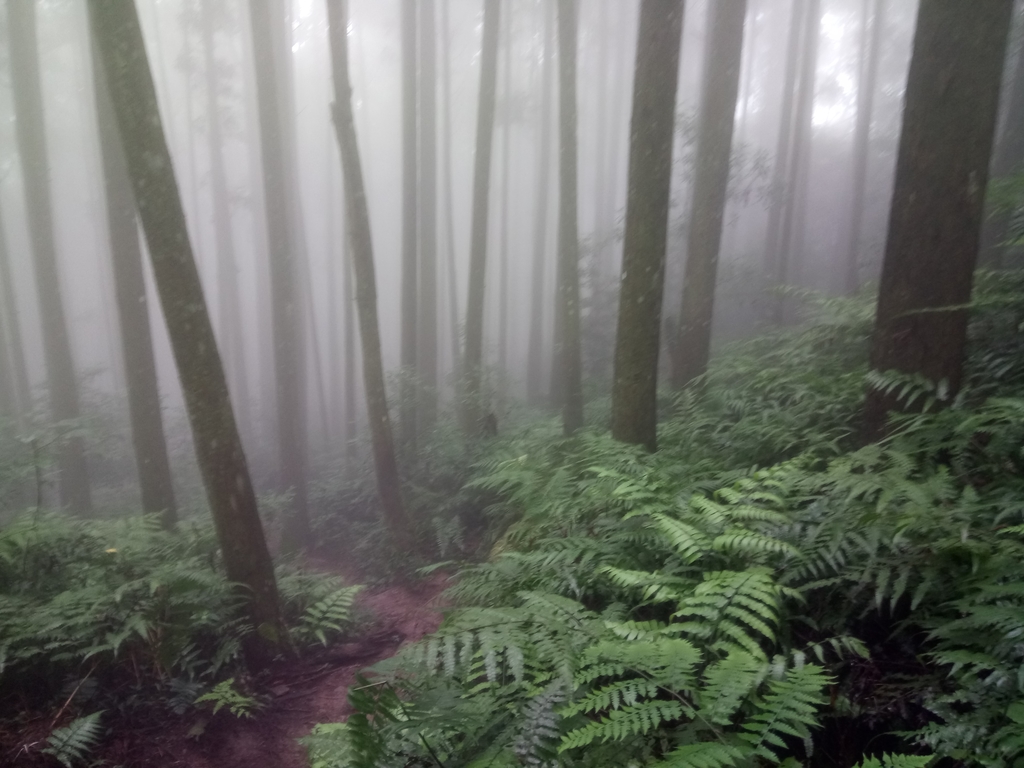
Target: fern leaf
[[73, 743]]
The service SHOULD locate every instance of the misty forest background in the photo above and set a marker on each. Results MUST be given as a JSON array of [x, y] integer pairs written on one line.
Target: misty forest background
[[682, 338]]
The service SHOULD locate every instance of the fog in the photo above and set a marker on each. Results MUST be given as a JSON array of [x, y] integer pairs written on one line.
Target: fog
[[194, 46]]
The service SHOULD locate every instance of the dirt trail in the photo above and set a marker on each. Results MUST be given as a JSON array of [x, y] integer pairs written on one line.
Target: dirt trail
[[305, 692]]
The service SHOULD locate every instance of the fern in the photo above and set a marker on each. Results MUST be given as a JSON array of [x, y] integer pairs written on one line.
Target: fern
[[72, 744], [329, 616]]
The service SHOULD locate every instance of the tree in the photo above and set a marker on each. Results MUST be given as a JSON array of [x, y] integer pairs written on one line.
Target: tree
[[426, 356], [870, 53], [19, 374], [410, 285], [449, 207], [722, 60], [115, 26], [472, 360], [652, 125], [358, 226], [35, 169], [289, 364], [941, 172], [567, 359], [540, 221], [148, 441]]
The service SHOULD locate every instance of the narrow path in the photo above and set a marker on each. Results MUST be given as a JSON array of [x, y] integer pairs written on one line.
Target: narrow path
[[305, 692]]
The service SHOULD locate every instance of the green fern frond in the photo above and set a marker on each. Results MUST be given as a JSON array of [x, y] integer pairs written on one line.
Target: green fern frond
[[896, 761], [705, 754], [622, 723], [73, 743], [788, 708]]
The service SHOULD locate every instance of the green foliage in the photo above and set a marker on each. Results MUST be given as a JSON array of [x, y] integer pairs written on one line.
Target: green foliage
[[224, 695], [71, 745]]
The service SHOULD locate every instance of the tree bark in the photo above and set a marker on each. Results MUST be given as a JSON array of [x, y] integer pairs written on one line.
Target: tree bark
[[35, 168], [410, 235], [427, 305], [535, 351], [941, 173], [473, 357], [284, 269], [724, 53], [652, 125], [506, 189], [567, 354], [19, 372], [868, 70], [358, 226], [449, 207], [118, 35], [148, 441]]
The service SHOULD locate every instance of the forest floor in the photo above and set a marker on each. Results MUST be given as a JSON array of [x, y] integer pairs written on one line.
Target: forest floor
[[302, 693]]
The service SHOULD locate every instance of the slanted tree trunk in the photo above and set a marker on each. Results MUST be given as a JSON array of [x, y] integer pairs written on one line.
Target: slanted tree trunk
[[473, 357], [427, 335], [637, 338], [35, 170], [410, 284], [535, 349], [148, 442], [358, 226], [870, 53], [289, 363], [723, 56], [19, 373], [229, 302], [115, 26], [567, 353], [941, 173]]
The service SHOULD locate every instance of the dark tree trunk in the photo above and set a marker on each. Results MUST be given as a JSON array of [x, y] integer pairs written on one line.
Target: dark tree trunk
[[35, 169], [147, 423], [410, 285], [284, 270], [473, 358], [870, 54], [218, 447], [535, 350], [941, 173], [358, 226], [427, 353], [229, 302], [724, 53], [19, 372], [567, 354], [637, 339]]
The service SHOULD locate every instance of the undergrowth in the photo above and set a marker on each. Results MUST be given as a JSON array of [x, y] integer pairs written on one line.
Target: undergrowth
[[760, 591]]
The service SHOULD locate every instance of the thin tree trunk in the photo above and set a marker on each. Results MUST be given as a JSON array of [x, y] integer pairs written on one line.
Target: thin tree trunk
[[218, 446], [535, 350], [410, 283], [9, 410], [449, 209], [637, 339], [35, 165], [19, 371], [473, 358], [723, 57], [427, 353], [567, 356], [284, 286], [941, 173], [358, 226], [869, 57], [506, 164], [148, 441]]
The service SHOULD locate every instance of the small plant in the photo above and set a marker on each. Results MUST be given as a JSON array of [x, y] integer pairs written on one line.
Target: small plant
[[72, 744], [225, 695]]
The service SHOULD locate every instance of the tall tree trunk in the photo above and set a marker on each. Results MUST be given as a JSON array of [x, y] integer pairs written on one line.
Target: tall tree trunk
[[506, 188], [358, 226], [229, 303], [19, 371], [941, 173], [118, 35], [427, 353], [535, 350], [35, 170], [722, 59], [449, 205], [870, 53], [567, 354], [410, 284], [148, 442], [9, 410], [781, 173], [284, 285], [473, 358], [791, 238], [637, 338]]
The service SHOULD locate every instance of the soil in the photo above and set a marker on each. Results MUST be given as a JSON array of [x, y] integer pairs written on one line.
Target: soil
[[301, 694]]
